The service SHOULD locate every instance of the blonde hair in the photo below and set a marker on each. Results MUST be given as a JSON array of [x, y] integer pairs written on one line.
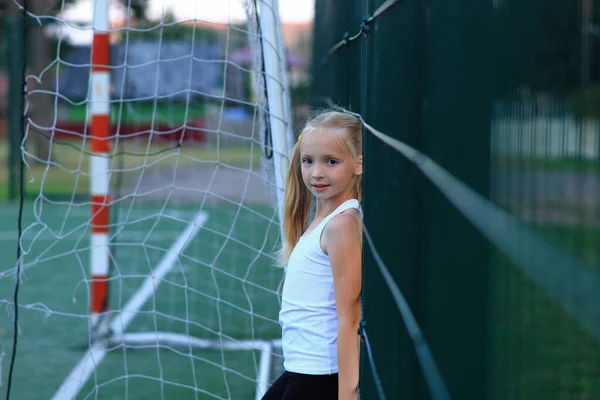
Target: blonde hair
[[298, 199]]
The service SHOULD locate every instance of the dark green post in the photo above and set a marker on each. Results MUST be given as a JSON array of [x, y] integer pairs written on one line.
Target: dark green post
[[16, 70]]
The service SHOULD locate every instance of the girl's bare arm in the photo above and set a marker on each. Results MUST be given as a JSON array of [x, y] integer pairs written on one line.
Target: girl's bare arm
[[342, 240]]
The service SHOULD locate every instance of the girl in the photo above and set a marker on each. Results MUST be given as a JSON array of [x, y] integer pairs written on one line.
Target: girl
[[320, 309]]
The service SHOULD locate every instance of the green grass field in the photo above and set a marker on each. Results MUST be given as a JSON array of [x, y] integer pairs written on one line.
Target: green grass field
[[536, 350], [137, 112], [223, 286]]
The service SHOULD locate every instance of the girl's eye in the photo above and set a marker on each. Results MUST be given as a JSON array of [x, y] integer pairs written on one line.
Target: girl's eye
[[332, 162], [306, 161]]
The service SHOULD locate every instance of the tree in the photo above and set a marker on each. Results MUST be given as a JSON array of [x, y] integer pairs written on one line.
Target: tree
[[39, 57], [139, 7], [41, 102]]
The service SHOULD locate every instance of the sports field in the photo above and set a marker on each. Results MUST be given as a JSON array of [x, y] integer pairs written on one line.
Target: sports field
[[223, 286]]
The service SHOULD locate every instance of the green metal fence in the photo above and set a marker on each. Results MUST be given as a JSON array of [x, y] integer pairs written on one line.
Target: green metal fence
[[502, 94]]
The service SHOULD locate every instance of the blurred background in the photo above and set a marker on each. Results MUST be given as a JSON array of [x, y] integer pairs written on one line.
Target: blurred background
[[59, 38], [503, 278]]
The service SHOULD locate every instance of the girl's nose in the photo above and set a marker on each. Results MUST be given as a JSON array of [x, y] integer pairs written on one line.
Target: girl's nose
[[317, 172]]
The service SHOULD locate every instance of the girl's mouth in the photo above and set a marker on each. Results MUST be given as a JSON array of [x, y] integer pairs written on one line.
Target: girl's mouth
[[320, 188]]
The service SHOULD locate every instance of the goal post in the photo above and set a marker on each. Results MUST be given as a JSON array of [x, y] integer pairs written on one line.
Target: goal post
[[99, 169], [174, 161], [278, 99], [278, 120]]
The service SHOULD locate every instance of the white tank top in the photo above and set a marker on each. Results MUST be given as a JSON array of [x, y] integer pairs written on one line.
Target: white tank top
[[308, 315]]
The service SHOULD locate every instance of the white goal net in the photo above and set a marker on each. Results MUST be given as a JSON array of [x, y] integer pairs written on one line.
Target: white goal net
[[152, 191]]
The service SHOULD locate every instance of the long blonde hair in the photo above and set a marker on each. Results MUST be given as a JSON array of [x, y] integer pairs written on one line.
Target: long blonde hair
[[298, 199]]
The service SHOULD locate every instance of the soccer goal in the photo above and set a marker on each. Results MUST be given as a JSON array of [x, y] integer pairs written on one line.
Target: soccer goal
[[148, 249]]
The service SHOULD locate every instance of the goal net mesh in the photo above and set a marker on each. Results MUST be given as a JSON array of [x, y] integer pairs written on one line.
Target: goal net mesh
[[193, 287]]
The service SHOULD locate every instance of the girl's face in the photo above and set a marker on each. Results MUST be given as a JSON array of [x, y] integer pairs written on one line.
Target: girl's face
[[328, 168]]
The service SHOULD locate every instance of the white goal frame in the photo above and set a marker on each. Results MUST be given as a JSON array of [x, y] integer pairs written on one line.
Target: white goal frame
[[105, 333]]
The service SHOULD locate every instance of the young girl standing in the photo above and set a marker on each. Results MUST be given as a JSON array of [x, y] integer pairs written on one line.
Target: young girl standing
[[320, 309]]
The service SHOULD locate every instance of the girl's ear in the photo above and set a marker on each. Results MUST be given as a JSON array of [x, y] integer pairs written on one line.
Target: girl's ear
[[358, 169]]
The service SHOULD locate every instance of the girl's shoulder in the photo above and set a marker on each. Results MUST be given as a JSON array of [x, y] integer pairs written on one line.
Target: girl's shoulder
[[342, 228], [349, 219], [347, 216]]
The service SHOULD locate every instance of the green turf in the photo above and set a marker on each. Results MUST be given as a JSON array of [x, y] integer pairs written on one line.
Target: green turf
[[222, 286], [536, 350], [143, 112]]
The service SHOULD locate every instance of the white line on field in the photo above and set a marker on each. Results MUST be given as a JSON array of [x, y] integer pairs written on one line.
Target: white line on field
[[94, 356]]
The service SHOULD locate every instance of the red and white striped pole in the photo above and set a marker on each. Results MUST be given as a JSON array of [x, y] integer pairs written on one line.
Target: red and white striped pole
[[99, 165]]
